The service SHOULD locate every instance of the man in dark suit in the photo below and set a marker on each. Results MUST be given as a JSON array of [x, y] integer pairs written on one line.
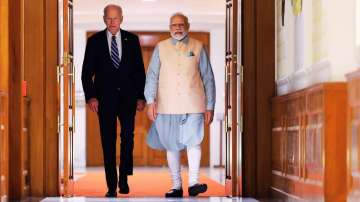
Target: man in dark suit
[[113, 79]]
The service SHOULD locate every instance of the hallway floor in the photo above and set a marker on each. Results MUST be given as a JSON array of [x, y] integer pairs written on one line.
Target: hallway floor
[[216, 174], [146, 199]]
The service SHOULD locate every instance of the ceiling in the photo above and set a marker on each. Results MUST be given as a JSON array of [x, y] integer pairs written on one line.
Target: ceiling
[[153, 6], [150, 11]]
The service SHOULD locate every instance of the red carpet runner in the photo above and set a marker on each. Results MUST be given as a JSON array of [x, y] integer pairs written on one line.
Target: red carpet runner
[[142, 184]]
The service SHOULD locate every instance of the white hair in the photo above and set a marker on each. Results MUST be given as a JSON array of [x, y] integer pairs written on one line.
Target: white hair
[[179, 14], [113, 6]]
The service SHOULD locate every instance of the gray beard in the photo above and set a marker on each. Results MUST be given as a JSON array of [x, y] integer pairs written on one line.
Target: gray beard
[[179, 38]]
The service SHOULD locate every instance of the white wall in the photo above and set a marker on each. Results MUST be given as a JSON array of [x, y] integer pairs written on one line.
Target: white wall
[[214, 25], [329, 46], [342, 41]]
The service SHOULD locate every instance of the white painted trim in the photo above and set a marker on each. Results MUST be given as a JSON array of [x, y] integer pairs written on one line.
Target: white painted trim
[[321, 72], [284, 85], [305, 77], [80, 99], [353, 75]]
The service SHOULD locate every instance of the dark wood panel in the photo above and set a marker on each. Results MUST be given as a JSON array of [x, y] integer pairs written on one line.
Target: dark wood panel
[[353, 133], [4, 106], [15, 102], [277, 141], [334, 151], [25, 147], [4, 151], [295, 189], [51, 138], [27, 59], [315, 150], [258, 54], [38, 62], [34, 59], [4, 45], [250, 113], [265, 90]]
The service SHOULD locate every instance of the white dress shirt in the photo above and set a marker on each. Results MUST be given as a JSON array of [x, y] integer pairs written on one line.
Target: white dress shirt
[[118, 42]]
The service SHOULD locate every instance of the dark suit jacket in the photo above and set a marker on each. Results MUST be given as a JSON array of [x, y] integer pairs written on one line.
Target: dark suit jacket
[[102, 80]]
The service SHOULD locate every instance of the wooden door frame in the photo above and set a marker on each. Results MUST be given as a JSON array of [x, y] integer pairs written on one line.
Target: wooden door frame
[[16, 73], [4, 92], [258, 54], [33, 57]]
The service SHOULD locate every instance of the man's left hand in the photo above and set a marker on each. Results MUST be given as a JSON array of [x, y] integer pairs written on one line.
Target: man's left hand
[[209, 115], [140, 105]]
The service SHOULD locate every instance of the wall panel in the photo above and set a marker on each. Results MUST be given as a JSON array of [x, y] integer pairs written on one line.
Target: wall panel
[[309, 157]]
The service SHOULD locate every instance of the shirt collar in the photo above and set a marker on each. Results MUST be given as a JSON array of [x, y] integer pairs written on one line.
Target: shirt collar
[[184, 40], [109, 34]]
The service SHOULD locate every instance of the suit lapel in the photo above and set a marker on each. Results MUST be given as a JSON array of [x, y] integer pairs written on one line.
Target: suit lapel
[[105, 47], [124, 45]]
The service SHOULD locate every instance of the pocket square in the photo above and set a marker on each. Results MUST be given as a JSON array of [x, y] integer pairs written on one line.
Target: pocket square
[[190, 54]]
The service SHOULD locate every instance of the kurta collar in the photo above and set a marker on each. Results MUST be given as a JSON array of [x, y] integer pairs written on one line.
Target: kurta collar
[[185, 40]]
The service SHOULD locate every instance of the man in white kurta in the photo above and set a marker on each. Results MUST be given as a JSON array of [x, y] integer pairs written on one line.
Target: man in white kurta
[[180, 93]]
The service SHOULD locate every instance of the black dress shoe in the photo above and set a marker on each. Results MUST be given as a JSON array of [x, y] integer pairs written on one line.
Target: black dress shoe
[[174, 193], [197, 189], [123, 185], [124, 188], [111, 194]]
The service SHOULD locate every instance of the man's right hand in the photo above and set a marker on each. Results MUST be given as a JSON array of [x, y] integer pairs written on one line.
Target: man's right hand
[[151, 111], [93, 104]]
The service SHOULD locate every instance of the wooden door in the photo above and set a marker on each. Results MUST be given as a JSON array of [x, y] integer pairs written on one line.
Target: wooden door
[[233, 99], [66, 94], [143, 155], [4, 106], [353, 134], [3, 150]]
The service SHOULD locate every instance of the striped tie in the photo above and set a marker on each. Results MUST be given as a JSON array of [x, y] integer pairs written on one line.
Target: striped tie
[[114, 53]]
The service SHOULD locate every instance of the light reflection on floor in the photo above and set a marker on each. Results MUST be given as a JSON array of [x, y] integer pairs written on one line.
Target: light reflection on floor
[[216, 174]]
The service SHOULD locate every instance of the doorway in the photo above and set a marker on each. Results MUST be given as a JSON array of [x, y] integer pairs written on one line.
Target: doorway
[[258, 63], [213, 30]]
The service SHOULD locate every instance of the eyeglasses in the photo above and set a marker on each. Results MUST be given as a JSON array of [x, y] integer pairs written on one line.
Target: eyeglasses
[[180, 25]]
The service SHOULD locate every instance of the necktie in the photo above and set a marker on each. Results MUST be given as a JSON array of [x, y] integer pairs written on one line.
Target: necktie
[[114, 53]]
